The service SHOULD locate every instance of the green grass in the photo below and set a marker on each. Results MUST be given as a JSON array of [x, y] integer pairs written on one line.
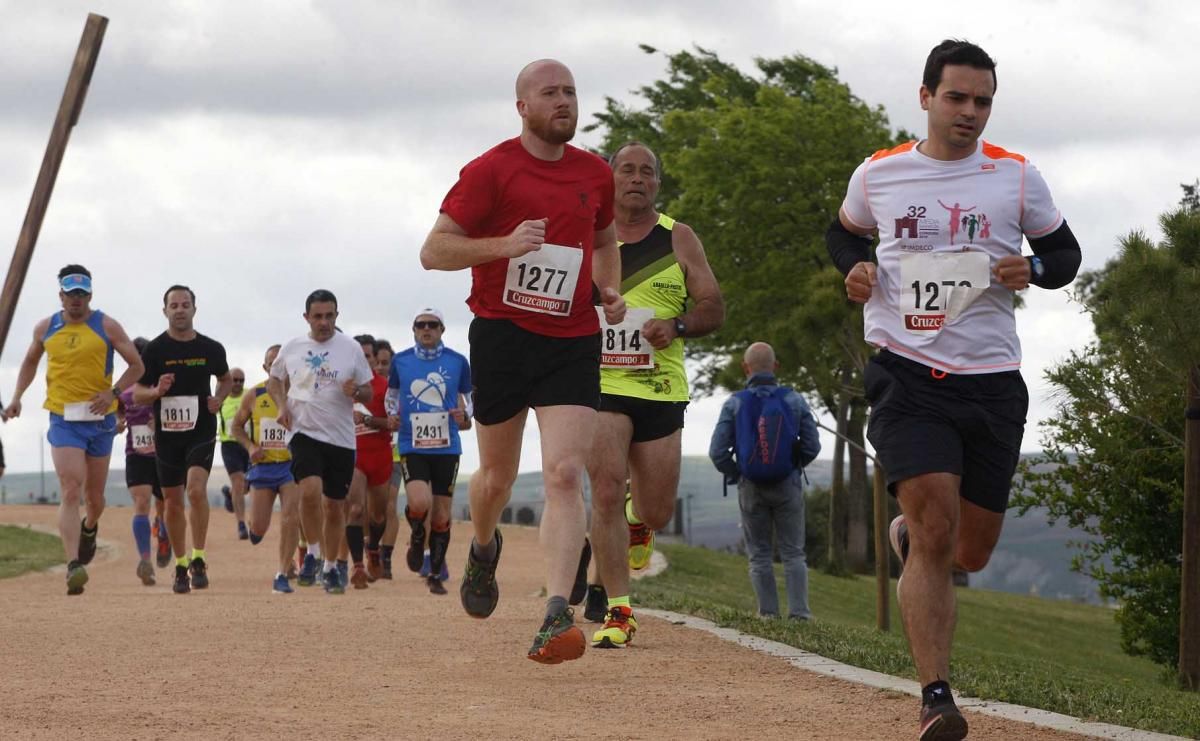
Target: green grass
[[1059, 656], [23, 549]]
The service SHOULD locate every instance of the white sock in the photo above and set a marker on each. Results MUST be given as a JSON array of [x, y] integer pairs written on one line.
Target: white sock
[[280, 575], [329, 566], [314, 550]]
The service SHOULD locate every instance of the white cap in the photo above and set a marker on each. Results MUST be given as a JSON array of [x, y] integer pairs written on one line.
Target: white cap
[[430, 311]]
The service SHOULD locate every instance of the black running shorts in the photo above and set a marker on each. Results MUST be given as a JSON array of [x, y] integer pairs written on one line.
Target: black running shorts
[[513, 369], [437, 470], [967, 425], [234, 456], [651, 419], [332, 463], [176, 452], [141, 470]]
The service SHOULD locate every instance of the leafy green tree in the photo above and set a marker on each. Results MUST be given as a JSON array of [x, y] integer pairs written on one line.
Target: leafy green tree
[[758, 165], [1114, 455]]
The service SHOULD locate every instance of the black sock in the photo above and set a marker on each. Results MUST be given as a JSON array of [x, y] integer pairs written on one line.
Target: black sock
[[439, 542], [936, 692], [387, 553], [555, 605], [354, 539], [375, 534]]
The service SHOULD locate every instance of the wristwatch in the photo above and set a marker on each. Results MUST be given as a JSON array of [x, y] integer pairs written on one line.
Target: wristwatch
[[1035, 264], [680, 327], [116, 391]]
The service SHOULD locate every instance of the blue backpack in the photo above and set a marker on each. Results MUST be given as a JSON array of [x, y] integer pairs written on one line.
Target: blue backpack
[[765, 430]]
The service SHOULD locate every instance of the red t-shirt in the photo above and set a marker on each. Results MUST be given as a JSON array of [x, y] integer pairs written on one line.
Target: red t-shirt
[[375, 440], [507, 185]]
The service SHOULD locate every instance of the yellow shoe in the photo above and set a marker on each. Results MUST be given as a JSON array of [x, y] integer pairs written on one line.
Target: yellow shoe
[[641, 539], [618, 630]]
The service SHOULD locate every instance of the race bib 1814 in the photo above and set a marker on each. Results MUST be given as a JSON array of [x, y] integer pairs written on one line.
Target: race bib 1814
[[543, 281], [935, 288]]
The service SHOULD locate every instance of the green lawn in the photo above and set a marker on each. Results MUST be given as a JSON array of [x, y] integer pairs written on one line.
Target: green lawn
[[23, 549], [1055, 655]]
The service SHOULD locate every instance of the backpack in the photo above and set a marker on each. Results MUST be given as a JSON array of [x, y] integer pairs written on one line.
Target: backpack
[[764, 433]]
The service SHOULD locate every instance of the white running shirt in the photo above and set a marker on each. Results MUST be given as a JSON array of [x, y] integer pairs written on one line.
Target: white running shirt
[[315, 372], [942, 227]]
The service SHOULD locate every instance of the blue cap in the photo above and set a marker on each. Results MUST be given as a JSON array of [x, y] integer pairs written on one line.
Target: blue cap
[[76, 282]]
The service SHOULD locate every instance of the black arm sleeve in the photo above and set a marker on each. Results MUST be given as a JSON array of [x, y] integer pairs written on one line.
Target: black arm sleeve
[[846, 248], [1060, 256]]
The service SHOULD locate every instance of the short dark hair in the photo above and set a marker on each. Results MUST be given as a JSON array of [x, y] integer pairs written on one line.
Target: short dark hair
[[382, 344], [955, 51], [612, 159], [74, 270], [139, 343], [366, 339], [178, 287], [319, 295]]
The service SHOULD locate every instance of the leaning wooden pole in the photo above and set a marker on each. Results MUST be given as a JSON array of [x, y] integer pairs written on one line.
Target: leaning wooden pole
[[1189, 596], [68, 115], [883, 589]]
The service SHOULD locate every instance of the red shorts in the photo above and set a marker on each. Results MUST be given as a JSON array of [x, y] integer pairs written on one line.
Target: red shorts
[[376, 465]]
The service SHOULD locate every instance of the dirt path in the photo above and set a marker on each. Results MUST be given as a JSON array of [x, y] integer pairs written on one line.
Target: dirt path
[[125, 661]]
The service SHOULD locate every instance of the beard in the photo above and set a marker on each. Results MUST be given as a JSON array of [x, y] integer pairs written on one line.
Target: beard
[[550, 130]]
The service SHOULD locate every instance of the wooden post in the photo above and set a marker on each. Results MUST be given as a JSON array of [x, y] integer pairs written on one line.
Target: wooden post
[[68, 115], [1189, 595], [883, 588]]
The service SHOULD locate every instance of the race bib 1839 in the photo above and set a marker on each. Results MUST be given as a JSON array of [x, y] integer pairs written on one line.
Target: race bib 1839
[[430, 429], [178, 413], [622, 345], [272, 435], [936, 288], [543, 281]]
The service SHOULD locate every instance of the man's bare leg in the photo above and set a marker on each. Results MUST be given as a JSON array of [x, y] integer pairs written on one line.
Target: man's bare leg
[[567, 433], [71, 466], [491, 486], [93, 487], [197, 493], [608, 468], [289, 524]]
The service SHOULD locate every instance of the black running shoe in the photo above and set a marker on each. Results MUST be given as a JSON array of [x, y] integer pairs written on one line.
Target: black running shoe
[[435, 585], [183, 584], [941, 720], [415, 556], [199, 571], [597, 604], [479, 591], [87, 542], [579, 588]]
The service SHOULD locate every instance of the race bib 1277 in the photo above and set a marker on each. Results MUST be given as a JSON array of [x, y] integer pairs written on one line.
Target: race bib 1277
[[543, 281]]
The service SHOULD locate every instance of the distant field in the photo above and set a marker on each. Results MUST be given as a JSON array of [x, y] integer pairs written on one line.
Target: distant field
[[1056, 655], [23, 549]]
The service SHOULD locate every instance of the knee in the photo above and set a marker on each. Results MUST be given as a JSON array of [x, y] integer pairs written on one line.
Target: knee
[[608, 496], [933, 534], [563, 476], [197, 496], [972, 558], [655, 514], [355, 511], [497, 483]]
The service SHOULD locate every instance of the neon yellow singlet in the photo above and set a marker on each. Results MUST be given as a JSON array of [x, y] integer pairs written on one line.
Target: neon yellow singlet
[[79, 361], [228, 411], [652, 278], [264, 408]]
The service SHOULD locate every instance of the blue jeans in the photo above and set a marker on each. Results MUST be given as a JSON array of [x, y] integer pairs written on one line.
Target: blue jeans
[[779, 509]]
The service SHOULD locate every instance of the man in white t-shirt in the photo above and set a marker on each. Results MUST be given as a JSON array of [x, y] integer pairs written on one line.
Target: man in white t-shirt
[[947, 400], [315, 382]]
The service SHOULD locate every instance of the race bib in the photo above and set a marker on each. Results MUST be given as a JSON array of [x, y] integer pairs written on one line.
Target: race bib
[[936, 288], [79, 411], [272, 435], [430, 429], [543, 281], [359, 427], [621, 345], [178, 413], [143, 439]]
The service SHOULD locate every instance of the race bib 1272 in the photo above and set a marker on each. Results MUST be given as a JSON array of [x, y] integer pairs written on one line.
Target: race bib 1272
[[935, 288]]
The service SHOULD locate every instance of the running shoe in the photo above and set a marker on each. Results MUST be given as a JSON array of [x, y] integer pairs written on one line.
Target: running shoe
[[641, 539], [618, 630], [425, 566], [435, 585], [77, 576], [374, 565], [579, 588], [359, 577], [558, 640], [445, 573], [941, 720], [183, 584], [416, 546], [163, 554], [228, 494], [343, 570], [87, 543], [333, 582], [243, 533], [199, 571], [479, 591], [596, 608], [145, 572], [281, 586], [308, 572]]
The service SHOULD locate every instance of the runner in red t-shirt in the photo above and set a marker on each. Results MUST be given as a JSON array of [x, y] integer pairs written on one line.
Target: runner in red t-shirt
[[532, 218], [372, 466]]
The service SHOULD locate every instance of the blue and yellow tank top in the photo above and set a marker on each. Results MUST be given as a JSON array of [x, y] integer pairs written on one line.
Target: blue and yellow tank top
[[264, 408], [652, 278], [79, 361]]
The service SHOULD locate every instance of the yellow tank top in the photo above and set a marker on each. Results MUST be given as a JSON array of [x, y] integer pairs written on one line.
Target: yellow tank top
[[225, 415], [264, 408], [79, 361], [652, 278]]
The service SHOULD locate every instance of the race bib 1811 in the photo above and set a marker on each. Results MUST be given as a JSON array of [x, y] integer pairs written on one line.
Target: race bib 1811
[[936, 288], [543, 281], [178, 413], [430, 429], [622, 345]]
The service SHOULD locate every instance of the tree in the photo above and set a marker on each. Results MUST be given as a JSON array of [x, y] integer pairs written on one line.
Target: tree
[[758, 166], [1113, 459]]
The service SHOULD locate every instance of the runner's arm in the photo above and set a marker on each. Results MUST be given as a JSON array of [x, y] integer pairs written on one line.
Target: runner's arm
[[1059, 255], [708, 307], [606, 260], [449, 248], [240, 418], [847, 246], [224, 386], [28, 370]]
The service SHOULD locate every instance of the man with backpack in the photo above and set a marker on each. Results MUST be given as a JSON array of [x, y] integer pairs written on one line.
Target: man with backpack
[[765, 435]]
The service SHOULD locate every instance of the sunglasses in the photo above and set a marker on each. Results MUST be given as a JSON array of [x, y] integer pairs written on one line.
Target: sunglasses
[[427, 325], [239, 380]]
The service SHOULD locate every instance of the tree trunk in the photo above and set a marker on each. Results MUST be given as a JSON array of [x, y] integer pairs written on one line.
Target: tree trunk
[[858, 494]]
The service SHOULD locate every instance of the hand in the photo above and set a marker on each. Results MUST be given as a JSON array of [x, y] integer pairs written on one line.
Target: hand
[[359, 417], [100, 403], [393, 422], [164, 384], [659, 332], [284, 419], [214, 404], [459, 415], [13, 411], [529, 236], [350, 388], [121, 425], [859, 282], [1012, 272], [257, 454], [614, 306]]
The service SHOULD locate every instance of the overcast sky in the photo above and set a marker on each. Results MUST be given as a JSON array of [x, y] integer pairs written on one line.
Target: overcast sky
[[259, 150]]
